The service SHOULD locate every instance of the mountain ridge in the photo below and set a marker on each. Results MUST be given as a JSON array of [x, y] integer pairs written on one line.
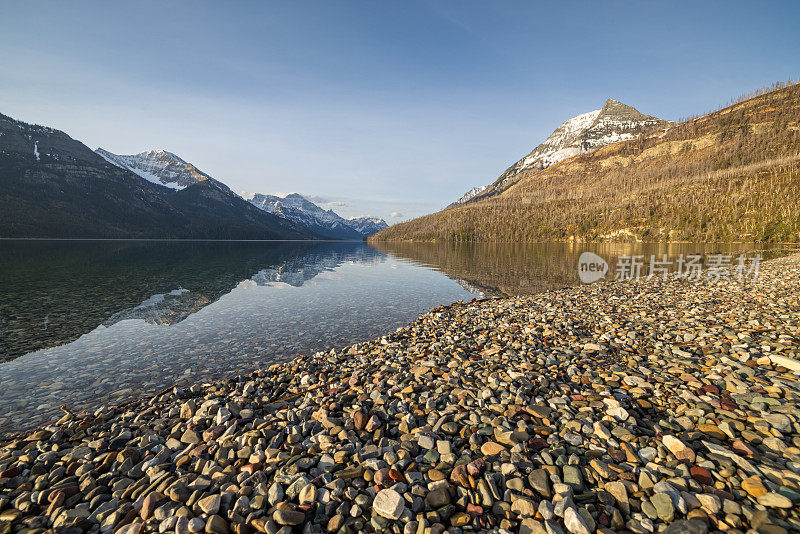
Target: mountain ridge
[[160, 167], [328, 223], [584, 133], [54, 186]]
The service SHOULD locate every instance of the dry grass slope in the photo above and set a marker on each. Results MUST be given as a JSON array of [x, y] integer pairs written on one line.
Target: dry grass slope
[[733, 174]]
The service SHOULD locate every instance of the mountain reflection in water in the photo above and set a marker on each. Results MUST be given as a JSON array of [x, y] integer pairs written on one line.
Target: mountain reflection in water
[[91, 323]]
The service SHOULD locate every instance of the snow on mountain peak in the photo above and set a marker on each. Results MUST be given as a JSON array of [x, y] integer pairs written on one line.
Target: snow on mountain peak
[[160, 167], [367, 225], [299, 209], [612, 123], [475, 191]]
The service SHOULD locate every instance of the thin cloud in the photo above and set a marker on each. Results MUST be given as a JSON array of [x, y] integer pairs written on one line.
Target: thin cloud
[[395, 214], [316, 199]]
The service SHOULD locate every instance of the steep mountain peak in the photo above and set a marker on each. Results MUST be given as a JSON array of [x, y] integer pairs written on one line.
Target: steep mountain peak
[[587, 132], [161, 155], [615, 109], [160, 167], [469, 195]]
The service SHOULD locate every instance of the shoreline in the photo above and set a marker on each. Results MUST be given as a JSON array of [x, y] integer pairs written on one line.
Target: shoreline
[[588, 409]]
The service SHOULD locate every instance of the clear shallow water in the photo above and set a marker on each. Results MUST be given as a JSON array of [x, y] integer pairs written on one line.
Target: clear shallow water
[[88, 323]]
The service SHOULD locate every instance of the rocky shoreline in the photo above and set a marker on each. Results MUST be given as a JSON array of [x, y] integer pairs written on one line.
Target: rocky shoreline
[[646, 406]]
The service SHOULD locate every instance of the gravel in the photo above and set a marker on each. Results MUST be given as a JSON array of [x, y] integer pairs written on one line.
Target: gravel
[[639, 406]]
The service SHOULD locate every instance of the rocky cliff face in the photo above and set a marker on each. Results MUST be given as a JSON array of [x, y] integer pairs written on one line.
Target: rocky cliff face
[[612, 123]]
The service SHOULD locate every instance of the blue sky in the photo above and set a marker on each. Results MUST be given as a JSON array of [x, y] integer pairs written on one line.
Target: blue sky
[[377, 107]]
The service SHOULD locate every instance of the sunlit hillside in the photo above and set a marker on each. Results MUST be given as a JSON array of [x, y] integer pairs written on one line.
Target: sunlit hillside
[[733, 174]]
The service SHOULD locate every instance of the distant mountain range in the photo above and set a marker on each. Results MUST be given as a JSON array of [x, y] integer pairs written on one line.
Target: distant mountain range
[[585, 133], [367, 225], [165, 168], [302, 211], [52, 186]]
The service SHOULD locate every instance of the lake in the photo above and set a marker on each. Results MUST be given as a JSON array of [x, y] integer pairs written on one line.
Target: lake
[[87, 323]]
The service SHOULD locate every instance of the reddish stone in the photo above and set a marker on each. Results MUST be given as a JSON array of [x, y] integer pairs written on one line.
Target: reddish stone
[[459, 476], [474, 510], [199, 450], [360, 420], [710, 388], [740, 447], [396, 475], [702, 475], [722, 494], [381, 477], [617, 454], [10, 472], [149, 504], [728, 404], [537, 444], [213, 433], [250, 468], [476, 467]]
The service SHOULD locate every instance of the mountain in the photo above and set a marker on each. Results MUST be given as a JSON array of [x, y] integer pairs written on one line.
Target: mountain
[[327, 223], [730, 175], [160, 167], [367, 225], [469, 195], [52, 186], [612, 123]]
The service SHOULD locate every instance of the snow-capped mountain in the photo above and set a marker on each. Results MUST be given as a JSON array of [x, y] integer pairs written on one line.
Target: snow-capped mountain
[[469, 195], [302, 211], [160, 167], [612, 123], [367, 225]]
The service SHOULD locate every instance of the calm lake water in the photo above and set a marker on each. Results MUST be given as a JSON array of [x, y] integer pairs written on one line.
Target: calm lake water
[[89, 323]]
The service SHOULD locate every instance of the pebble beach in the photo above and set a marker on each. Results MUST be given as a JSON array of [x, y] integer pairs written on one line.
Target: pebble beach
[[643, 406]]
